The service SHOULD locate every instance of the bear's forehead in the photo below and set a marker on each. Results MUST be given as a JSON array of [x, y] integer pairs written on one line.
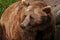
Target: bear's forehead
[[31, 10], [34, 8], [36, 4]]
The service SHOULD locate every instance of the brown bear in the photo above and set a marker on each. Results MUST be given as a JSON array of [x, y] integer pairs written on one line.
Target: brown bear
[[39, 18], [35, 22]]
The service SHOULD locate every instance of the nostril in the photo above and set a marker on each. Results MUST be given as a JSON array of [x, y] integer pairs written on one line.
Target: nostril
[[22, 26]]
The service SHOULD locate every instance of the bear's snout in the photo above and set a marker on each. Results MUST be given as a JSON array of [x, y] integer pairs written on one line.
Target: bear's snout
[[22, 26]]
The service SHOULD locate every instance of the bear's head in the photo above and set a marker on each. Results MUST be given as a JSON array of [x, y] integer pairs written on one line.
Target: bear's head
[[36, 15]]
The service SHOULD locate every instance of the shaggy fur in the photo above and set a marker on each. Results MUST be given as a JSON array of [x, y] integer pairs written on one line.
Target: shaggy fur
[[34, 22], [14, 16], [11, 20]]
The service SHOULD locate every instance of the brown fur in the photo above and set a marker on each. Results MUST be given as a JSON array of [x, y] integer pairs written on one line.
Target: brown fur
[[36, 11], [10, 23], [52, 3], [13, 17]]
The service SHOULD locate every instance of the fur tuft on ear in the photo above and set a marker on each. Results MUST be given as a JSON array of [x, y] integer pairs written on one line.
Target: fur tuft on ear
[[47, 9]]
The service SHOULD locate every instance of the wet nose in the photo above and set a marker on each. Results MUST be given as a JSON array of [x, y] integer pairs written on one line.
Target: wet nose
[[22, 26]]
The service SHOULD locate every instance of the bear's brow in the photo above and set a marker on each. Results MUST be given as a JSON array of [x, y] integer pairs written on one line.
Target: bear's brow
[[29, 8]]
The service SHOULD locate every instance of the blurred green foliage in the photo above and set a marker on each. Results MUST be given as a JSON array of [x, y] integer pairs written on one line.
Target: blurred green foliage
[[4, 4]]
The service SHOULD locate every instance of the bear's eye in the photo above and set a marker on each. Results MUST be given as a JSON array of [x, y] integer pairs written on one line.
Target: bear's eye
[[24, 16], [31, 18]]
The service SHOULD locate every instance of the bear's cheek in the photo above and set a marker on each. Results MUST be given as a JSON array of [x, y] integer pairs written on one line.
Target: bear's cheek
[[34, 22]]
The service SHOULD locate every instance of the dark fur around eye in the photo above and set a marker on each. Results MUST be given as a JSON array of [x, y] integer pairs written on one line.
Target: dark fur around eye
[[24, 16], [31, 18]]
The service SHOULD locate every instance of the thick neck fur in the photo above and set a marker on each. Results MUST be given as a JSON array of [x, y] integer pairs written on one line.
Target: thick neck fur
[[33, 35], [29, 35]]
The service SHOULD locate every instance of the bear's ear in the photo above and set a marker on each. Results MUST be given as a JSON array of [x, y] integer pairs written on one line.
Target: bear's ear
[[47, 9]]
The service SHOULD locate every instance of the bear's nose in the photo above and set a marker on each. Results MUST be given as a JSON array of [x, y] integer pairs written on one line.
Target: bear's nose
[[22, 26]]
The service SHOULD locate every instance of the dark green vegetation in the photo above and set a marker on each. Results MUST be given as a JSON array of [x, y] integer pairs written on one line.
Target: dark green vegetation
[[4, 4]]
